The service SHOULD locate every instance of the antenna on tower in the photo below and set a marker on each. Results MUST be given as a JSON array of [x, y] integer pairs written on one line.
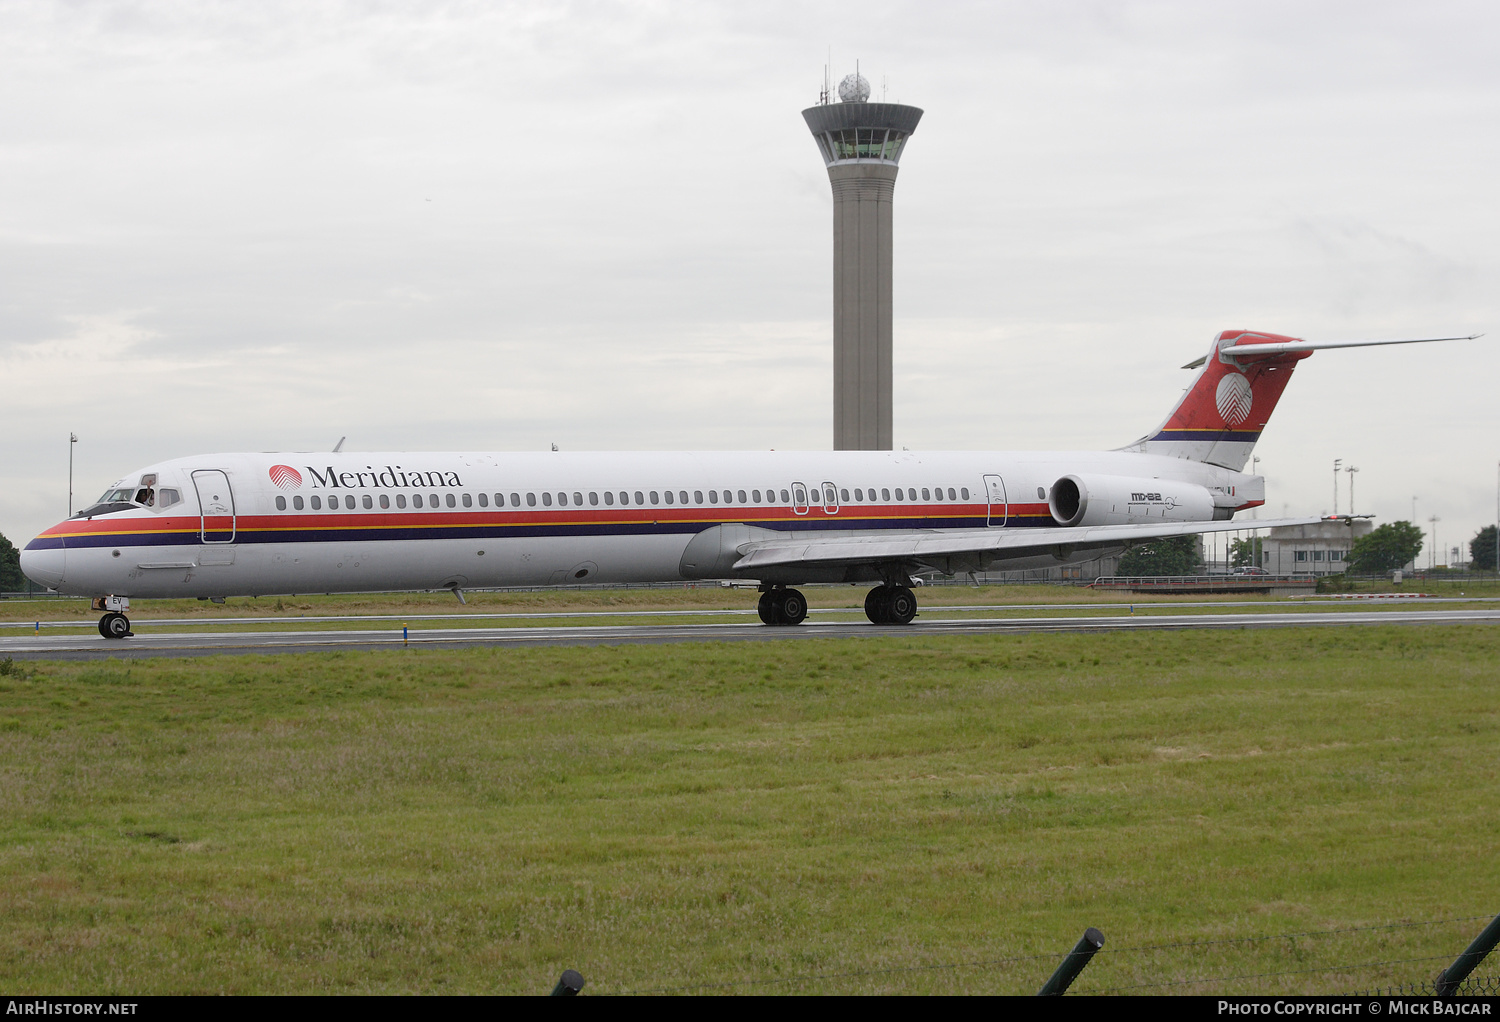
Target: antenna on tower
[[823, 97]]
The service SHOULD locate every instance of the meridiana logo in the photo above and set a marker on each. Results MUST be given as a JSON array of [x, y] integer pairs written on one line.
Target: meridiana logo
[[286, 477], [1233, 398]]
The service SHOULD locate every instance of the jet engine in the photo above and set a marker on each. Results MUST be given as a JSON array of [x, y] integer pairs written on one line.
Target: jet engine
[[1083, 500]]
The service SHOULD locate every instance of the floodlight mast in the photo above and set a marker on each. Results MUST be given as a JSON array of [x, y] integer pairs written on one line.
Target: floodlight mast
[[861, 143]]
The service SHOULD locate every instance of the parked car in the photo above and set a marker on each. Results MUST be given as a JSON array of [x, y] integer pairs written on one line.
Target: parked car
[[1250, 571]]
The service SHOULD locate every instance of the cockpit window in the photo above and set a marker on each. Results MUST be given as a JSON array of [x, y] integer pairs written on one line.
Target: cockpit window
[[166, 497]]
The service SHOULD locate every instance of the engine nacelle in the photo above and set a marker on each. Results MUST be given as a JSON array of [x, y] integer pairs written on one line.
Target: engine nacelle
[[1121, 500]]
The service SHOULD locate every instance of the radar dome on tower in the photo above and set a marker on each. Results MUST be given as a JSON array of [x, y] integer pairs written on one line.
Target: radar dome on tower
[[854, 89]]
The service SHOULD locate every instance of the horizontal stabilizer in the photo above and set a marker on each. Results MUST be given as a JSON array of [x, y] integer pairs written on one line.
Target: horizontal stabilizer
[[1282, 347]]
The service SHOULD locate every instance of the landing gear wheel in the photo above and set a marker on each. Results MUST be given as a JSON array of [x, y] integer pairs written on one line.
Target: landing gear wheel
[[900, 605], [114, 626], [767, 608], [876, 605], [791, 607]]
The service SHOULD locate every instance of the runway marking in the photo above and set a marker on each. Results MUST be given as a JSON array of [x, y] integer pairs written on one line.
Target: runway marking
[[214, 643]]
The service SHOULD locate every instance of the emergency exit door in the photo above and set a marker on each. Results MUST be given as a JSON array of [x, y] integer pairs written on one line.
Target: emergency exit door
[[994, 488]]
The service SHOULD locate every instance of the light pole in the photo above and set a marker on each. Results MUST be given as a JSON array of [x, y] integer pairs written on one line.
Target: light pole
[[1432, 554], [72, 439], [1350, 471], [1336, 463]]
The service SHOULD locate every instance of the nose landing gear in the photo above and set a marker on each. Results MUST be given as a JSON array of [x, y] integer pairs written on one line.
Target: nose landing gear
[[891, 605], [782, 607], [114, 624]]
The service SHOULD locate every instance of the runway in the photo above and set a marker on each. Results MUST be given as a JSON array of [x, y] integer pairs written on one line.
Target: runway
[[151, 643]]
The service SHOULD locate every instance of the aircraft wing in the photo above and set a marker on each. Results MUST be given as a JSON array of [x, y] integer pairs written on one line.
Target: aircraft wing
[[940, 550]]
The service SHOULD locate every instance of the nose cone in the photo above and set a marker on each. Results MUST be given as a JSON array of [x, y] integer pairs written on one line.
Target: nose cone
[[43, 565]]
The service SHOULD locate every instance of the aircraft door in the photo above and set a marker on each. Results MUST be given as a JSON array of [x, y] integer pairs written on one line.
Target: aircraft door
[[994, 488], [215, 506]]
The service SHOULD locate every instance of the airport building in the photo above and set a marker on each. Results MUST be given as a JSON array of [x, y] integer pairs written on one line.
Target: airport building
[[1321, 549], [861, 143]]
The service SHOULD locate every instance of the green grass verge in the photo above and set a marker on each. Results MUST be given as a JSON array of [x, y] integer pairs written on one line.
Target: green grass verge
[[859, 810]]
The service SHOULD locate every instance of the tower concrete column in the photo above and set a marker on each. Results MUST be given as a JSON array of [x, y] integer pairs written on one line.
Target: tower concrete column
[[861, 144]]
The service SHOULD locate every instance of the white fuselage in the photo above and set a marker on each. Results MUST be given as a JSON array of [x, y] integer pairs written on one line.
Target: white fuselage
[[262, 524]]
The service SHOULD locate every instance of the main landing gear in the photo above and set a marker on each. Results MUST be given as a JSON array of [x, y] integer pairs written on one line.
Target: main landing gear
[[885, 605], [782, 607], [891, 605], [114, 624]]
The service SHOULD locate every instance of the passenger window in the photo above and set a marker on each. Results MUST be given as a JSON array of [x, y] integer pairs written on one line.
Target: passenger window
[[578, 500], [624, 497], [713, 496], [385, 500], [449, 498], [515, 500], [755, 496], [416, 500], [317, 504], [368, 502], [593, 498], [401, 500], [281, 503], [964, 493], [951, 494], [349, 501], [899, 494], [562, 500], [468, 500], [609, 497], [432, 499], [669, 496], [682, 496], [640, 498], [697, 496], [655, 497], [484, 500], [531, 500], [859, 494], [844, 495], [926, 494], [785, 497], [546, 498], [296, 502]]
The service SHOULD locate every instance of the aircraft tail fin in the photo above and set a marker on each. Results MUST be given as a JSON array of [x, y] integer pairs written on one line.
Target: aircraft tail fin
[[1239, 381]]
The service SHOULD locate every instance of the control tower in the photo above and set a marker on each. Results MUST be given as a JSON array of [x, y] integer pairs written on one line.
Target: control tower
[[861, 144]]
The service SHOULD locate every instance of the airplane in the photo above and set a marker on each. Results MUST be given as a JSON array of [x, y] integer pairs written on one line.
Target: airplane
[[223, 525]]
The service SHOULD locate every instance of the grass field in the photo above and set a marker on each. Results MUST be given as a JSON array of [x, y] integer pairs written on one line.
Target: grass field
[[842, 816]]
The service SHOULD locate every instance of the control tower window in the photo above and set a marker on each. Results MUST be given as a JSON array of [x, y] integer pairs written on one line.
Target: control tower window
[[893, 146]]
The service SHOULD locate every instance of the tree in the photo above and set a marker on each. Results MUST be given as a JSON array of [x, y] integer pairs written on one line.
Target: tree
[[11, 579], [1244, 553], [1385, 549], [1482, 550], [1177, 555]]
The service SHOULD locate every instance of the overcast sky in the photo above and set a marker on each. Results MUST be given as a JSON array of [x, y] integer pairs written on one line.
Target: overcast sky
[[232, 226]]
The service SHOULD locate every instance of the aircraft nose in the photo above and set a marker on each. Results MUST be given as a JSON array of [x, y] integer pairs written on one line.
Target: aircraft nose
[[43, 566]]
